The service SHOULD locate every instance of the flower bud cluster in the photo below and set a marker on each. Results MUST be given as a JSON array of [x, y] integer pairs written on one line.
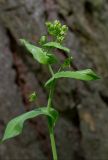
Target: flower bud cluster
[[57, 30]]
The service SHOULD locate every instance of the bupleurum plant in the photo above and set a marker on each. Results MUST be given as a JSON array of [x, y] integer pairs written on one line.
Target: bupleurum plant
[[44, 55]]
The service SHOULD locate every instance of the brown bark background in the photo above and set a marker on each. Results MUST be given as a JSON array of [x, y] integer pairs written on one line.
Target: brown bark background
[[82, 130]]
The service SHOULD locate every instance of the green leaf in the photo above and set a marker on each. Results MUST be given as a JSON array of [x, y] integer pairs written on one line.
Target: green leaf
[[56, 45], [86, 75], [15, 126], [38, 53]]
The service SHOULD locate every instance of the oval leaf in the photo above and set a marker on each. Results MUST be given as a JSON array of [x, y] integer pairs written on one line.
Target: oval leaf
[[56, 45], [86, 75], [15, 126], [38, 53]]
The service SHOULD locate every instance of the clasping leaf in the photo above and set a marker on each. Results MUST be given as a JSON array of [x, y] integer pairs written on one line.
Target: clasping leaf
[[15, 126], [56, 45], [38, 54], [85, 75]]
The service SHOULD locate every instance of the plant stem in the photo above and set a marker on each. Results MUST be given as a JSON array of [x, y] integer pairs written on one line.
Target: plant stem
[[50, 69], [53, 145], [51, 93], [50, 126]]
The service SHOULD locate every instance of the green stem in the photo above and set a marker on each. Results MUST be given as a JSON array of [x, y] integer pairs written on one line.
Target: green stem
[[51, 129], [51, 89], [53, 145], [51, 93], [51, 70]]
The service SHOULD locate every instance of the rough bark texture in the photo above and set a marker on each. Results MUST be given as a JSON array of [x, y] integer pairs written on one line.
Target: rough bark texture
[[82, 130]]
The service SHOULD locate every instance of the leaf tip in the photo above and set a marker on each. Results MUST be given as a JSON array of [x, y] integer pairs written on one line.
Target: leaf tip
[[22, 41], [93, 75]]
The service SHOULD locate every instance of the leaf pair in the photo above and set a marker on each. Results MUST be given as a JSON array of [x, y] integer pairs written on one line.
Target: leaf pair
[[42, 56], [15, 126], [86, 75], [38, 54]]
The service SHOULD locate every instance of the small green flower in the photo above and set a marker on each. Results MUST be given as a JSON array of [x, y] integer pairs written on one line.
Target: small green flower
[[64, 28], [32, 97], [43, 40]]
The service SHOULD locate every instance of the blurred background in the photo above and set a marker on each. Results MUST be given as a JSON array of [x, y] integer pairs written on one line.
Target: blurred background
[[82, 129]]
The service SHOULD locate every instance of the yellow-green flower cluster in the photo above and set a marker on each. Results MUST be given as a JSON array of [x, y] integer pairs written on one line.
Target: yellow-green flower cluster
[[57, 30]]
